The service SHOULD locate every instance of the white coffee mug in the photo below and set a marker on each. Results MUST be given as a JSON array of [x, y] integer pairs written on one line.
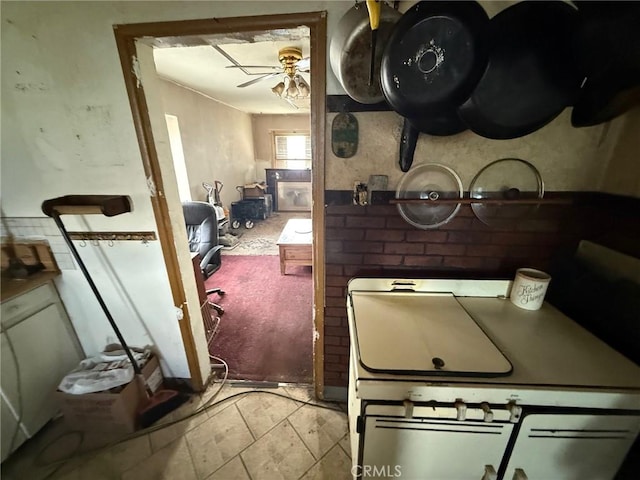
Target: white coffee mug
[[529, 288]]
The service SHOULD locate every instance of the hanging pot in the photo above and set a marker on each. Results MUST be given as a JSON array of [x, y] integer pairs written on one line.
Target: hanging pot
[[433, 59], [608, 51], [350, 51], [531, 75]]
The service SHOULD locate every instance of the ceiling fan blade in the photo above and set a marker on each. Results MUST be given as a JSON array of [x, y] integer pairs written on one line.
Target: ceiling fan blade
[[256, 80], [272, 67], [288, 100], [303, 64]]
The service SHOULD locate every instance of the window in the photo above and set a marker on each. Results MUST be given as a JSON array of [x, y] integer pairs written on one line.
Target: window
[[292, 150]]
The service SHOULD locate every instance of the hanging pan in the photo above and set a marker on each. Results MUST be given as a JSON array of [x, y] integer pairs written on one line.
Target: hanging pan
[[608, 51], [442, 124], [350, 51], [433, 60], [531, 75]]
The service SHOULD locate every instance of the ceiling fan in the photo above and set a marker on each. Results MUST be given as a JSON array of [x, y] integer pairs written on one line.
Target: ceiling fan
[[293, 85]]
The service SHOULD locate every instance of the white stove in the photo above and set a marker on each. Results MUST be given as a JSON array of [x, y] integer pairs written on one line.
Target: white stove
[[448, 379]]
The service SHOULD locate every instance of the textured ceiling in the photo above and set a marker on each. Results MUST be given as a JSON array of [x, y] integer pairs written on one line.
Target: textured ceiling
[[200, 65]]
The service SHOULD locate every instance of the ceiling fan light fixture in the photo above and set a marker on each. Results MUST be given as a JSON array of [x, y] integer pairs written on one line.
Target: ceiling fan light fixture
[[292, 89], [278, 89], [303, 87], [293, 86]]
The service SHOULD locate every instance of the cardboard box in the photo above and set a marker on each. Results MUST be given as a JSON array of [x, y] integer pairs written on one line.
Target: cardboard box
[[107, 411], [254, 190]]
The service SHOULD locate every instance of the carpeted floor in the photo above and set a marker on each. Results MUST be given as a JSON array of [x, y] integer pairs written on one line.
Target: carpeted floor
[[266, 332]]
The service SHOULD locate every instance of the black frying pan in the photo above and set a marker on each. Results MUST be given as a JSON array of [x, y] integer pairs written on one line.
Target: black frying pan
[[532, 73], [434, 57], [608, 51]]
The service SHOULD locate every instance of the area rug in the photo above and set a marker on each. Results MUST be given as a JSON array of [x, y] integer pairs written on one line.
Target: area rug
[[262, 238], [266, 332]]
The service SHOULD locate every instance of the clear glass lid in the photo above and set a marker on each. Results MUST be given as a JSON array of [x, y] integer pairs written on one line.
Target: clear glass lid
[[429, 182], [506, 179]]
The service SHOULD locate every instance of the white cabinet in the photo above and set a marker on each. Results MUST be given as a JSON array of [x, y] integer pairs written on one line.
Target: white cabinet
[[570, 447], [38, 348]]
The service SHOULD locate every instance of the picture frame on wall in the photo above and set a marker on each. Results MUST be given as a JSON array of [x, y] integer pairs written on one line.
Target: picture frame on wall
[[294, 196]]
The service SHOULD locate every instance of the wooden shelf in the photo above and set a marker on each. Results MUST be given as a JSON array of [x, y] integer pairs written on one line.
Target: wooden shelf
[[484, 201]]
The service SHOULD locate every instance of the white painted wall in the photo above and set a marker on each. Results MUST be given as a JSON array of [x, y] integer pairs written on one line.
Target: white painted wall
[[217, 141], [67, 129]]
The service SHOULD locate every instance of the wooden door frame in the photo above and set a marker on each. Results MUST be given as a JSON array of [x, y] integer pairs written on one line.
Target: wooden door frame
[[172, 31]]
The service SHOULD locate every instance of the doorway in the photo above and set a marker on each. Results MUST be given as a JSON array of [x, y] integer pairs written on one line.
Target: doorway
[[130, 40]]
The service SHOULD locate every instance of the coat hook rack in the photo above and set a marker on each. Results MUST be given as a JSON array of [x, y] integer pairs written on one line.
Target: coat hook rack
[[144, 237]]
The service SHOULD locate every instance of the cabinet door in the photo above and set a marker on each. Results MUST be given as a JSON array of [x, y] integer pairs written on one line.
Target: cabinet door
[[46, 350], [432, 448], [572, 446]]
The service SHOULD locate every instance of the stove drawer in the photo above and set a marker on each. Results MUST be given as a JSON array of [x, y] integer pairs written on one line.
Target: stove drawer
[[432, 447]]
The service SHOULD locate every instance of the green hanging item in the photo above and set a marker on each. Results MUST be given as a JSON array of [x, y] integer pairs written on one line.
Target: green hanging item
[[344, 135]]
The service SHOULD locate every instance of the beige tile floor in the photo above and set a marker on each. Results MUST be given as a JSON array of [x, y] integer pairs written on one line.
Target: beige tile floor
[[252, 436]]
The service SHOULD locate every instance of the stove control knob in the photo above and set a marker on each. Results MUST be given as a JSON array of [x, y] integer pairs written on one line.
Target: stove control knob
[[515, 412], [461, 410], [488, 414]]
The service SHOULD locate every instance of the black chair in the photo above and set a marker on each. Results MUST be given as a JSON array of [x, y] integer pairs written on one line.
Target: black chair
[[202, 231]]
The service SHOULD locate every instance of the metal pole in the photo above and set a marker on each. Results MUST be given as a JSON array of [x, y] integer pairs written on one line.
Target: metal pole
[[76, 255]]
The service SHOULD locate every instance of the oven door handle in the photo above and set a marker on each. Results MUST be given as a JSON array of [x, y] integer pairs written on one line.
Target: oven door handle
[[403, 286]]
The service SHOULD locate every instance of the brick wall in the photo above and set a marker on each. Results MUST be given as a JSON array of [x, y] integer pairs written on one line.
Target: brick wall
[[376, 241]]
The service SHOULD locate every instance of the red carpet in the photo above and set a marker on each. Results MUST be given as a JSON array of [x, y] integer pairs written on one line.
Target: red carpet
[[266, 332]]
